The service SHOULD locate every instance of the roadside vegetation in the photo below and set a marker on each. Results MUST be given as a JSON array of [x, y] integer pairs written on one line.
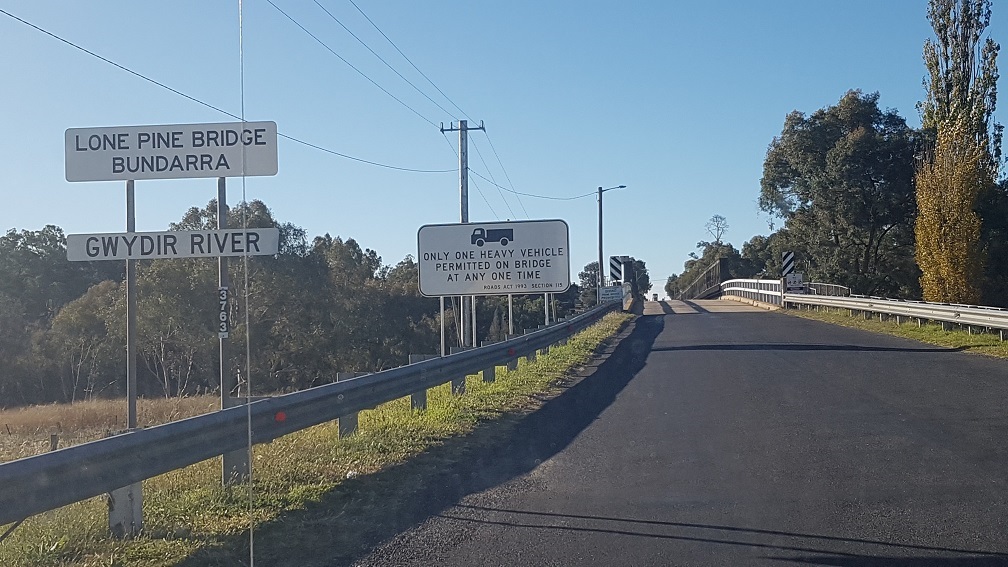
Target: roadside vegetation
[[191, 520], [865, 200], [931, 333]]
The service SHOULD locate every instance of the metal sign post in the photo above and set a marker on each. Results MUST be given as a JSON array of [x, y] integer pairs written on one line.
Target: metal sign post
[[131, 315], [126, 503], [442, 326], [510, 314]]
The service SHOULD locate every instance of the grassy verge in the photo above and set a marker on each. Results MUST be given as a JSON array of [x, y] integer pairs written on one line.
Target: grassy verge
[[931, 333], [307, 483]]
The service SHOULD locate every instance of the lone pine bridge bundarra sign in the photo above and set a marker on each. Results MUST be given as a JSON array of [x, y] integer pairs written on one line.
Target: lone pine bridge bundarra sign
[[494, 258], [176, 151]]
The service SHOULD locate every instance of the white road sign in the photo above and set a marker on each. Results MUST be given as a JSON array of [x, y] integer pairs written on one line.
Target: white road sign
[[610, 293], [495, 258], [181, 244], [174, 151]]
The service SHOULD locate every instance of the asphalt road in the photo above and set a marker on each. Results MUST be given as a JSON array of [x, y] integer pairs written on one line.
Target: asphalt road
[[720, 434]]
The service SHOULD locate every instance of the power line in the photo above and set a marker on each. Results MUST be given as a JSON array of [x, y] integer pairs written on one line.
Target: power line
[[422, 74], [478, 190], [506, 204], [359, 72], [362, 160], [117, 65], [380, 58], [532, 194], [208, 105], [506, 176]]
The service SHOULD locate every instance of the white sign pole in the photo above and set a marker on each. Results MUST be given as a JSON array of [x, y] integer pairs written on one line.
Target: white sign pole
[[442, 326]]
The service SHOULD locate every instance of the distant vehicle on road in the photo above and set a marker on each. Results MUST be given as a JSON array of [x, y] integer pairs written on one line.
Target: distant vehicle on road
[[482, 236], [654, 297]]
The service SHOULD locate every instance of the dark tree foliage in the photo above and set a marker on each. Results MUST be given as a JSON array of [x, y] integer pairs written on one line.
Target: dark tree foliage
[[842, 180], [318, 307]]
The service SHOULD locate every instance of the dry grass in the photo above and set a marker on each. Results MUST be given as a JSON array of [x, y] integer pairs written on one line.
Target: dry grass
[[25, 431]]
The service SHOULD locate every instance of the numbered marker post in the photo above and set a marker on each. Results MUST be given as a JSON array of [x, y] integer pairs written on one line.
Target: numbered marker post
[[224, 322]]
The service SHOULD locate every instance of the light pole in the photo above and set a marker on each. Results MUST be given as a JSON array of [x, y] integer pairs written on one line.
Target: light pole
[[601, 274]]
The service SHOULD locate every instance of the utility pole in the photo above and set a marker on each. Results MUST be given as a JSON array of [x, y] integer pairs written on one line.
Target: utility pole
[[601, 277], [601, 273], [468, 318]]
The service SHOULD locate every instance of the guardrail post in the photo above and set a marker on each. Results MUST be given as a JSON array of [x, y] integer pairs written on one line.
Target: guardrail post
[[125, 508], [490, 373], [512, 364], [235, 464], [458, 385], [347, 423], [531, 356], [418, 400]]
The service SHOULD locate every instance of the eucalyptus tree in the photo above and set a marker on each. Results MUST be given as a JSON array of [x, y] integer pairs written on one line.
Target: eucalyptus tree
[[842, 180]]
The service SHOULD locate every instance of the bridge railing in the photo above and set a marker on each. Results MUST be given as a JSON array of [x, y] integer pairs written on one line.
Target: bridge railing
[[819, 295], [766, 291], [44, 482], [707, 284]]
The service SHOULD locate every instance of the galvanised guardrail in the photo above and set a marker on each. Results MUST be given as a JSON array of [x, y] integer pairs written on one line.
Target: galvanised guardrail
[[44, 482], [838, 297], [946, 313]]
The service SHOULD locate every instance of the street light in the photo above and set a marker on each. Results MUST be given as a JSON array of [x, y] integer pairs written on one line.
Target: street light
[[601, 277]]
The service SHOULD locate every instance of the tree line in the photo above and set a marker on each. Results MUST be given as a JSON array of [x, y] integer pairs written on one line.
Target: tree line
[[318, 307], [885, 209]]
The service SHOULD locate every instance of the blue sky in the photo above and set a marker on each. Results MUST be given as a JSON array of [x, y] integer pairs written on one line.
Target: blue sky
[[677, 100]]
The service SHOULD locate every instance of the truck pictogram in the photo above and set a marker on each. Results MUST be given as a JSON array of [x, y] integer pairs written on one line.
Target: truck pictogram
[[481, 236]]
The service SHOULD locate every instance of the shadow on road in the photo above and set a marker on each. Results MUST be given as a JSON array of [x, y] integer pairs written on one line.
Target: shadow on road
[[806, 347], [855, 560], [698, 308], [351, 520], [719, 535]]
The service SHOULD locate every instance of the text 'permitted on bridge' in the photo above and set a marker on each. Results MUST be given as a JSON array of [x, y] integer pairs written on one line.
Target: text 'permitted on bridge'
[[176, 151], [177, 244], [494, 258]]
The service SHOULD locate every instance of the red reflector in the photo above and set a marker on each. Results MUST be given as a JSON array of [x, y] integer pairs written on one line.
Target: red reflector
[[280, 417], [511, 352]]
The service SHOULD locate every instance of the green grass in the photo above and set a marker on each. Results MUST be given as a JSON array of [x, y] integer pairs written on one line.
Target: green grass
[[931, 333], [306, 483]]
